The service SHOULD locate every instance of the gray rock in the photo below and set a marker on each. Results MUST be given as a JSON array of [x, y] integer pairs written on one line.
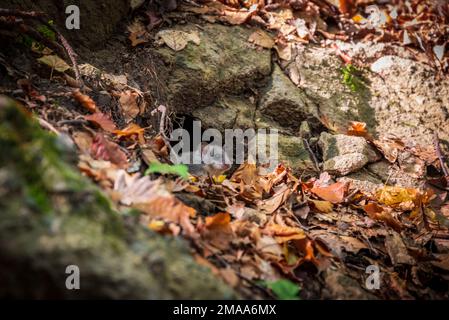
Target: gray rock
[[293, 152], [285, 103], [224, 61], [344, 154]]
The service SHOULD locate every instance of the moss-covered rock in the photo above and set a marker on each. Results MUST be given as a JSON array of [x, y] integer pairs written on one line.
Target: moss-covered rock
[[52, 217]]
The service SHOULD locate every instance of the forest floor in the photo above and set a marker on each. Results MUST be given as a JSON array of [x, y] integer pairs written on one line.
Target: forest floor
[[357, 207]]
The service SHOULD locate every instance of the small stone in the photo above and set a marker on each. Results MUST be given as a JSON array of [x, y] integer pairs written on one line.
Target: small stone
[[344, 154]]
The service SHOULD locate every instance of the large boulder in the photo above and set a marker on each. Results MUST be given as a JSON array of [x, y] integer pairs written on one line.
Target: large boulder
[[223, 62], [52, 217]]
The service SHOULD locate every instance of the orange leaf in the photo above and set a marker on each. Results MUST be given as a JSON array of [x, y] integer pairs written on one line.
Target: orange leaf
[[345, 6], [284, 233], [218, 220], [334, 193], [170, 208], [130, 131], [358, 129], [102, 120], [377, 212], [85, 100]]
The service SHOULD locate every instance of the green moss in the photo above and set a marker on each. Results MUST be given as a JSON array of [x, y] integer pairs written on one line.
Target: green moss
[[352, 77]]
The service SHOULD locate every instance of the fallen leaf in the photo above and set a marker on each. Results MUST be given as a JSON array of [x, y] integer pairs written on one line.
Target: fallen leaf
[[151, 197], [54, 62], [262, 39], [104, 149], [83, 140], [128, 102], [284, 289], [323, 206], [239, 17], [334, 193], [218, 221], [358, 129], [379, 213], [397, 250], [272, 204], [131, 131], [397, 196], [102, 120], [165, 168], [218, 231], [137, 33], [177, 40], [283, 234], [85, 101]]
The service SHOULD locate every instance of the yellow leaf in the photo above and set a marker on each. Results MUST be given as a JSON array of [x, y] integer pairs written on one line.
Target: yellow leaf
[[219, 179], [323, 206], [54, 62], [393, 196]]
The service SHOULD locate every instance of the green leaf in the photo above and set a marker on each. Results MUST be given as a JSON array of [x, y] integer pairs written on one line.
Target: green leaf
[[284, 289], [164, 168]]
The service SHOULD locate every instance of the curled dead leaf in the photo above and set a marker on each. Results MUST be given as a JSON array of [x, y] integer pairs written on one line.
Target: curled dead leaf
[[85, 101]]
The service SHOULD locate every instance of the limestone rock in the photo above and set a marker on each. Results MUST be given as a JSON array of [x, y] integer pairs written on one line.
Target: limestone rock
[[344, 154]]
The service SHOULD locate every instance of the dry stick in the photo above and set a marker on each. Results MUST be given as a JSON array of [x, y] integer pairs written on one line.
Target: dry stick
[[440, 156], [315, 161]]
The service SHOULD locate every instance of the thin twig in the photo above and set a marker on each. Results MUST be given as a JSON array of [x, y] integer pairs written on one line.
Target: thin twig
[[312, 154], [440, 156], [46, 125]]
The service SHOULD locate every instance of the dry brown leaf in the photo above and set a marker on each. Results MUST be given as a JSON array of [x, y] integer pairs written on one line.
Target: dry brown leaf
[[218, 231], [379, 213], [283, 234], [334, 193], [83, 140], [128, 102], [322, 206], [177, 40], [272, 204], [390, 148], [137, 33], [261, 39], [104, 149], [102, 120], [239, 17], [85, 101]]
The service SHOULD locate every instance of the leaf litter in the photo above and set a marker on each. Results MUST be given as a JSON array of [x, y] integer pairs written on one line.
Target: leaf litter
[[274, 233]]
